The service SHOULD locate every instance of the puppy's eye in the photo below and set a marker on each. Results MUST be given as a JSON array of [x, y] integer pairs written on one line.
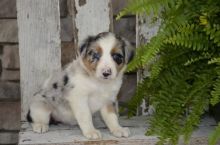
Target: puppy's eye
[[118, 58], [96, 56]]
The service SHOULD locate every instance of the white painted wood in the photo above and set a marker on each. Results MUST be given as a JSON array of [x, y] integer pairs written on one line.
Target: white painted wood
[[145, 30], [91, 17], [71, 135], [39, 44]]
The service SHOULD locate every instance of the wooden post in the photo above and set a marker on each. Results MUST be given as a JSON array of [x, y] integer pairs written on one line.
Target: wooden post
[[91, 17], [39, 44], [145, 30]]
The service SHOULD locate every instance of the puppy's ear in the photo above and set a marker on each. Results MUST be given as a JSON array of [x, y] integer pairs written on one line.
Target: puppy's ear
[[129, 50], [88, 41], [86, 44]]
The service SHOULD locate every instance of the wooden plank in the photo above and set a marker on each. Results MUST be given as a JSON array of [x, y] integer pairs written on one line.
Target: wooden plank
[[145, 30], [71, 135], [8, 9], [8, 138], [10, 116], [91, 18], [39, 44], [9, 30]]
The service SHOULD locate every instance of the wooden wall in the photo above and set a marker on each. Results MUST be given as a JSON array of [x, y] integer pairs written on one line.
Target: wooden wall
[[10, 64]]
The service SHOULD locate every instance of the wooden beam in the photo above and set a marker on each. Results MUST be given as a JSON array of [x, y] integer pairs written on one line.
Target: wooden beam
[[39, 44], [91, 17], [145, 30]]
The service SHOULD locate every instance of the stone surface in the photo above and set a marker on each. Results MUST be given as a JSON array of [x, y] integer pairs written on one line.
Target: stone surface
[[8, 8], [10, 58], [9, 30], [10, 75], [9, 91], [126, 27], [67, 52], [8, 138], [10, 116]]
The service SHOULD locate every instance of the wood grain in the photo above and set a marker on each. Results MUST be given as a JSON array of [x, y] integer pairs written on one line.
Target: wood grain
[[39, 44], [91, 18], [71, 135]]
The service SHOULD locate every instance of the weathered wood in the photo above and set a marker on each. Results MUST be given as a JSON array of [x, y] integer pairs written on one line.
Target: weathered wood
[[71, 135], [145, 30], [10, 116], [91, 18], [66, 29], [10, 75], [9, 91], [118, 5], [9, 30], [126, 27], [8, 8], [67, 52], [10, 58], [8, 138], [39, 44]]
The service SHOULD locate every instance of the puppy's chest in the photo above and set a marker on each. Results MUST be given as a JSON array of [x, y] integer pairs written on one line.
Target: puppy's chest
[[102, 96]]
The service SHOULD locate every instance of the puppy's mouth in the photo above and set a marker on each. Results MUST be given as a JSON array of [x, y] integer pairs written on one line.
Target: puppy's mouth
[[106, 78]]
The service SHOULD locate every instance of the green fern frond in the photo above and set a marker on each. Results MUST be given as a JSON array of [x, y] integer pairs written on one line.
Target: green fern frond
[[183, 60], [145, 6], [213, 32], [214, 60], [205, 56], [138, 98], [215, 93], [215, 136]]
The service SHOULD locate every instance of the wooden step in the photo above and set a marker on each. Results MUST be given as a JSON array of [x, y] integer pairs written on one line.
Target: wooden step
[[71, 135]]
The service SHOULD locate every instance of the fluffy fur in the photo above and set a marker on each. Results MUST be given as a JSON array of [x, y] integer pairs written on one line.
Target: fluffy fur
[[87, 85]]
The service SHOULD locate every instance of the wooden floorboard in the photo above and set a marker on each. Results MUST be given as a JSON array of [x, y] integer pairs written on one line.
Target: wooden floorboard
[[71, 135]]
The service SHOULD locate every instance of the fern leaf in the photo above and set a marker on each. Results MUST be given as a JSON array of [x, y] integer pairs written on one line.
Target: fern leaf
[[215, 93], [215, 136]]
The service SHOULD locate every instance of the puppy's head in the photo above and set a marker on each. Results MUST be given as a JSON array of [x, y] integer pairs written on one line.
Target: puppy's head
[[106, 55]]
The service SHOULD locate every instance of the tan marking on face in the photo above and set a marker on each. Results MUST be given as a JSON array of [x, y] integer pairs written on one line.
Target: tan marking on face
[[117, 50], [89, 61], [110, 108]]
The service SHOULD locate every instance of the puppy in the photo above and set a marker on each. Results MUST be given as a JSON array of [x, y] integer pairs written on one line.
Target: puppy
[[87, 85]]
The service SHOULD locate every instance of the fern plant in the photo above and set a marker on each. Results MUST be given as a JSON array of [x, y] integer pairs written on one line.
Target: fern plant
[[184, 62]]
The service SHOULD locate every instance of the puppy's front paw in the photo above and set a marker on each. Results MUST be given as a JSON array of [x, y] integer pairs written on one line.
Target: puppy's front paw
[[121, 132], [93, 134], [40, 128]]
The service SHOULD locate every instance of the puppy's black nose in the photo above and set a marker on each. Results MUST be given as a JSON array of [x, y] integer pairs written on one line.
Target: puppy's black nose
[[107, 73]]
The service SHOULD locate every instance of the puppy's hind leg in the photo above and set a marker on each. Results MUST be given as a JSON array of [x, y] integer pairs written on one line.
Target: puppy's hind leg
[[39, 116]]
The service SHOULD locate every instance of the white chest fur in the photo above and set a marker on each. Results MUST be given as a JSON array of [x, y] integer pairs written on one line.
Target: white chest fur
[[102, 94]]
